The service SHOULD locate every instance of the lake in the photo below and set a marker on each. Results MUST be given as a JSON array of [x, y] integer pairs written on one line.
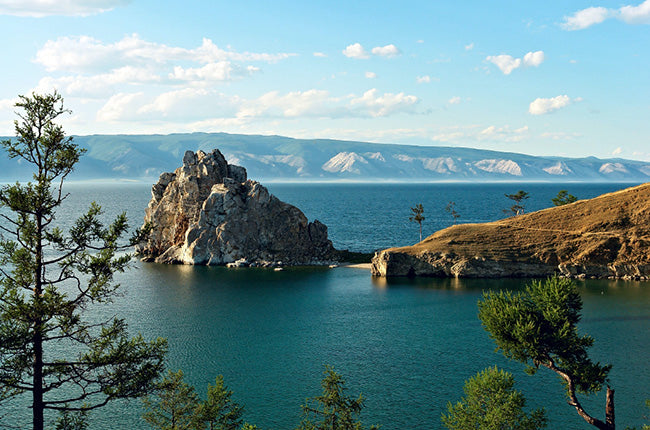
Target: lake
[[407, 344]]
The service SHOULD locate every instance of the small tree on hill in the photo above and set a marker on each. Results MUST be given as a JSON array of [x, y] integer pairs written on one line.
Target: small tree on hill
[[48, 280], [563, 198], [491, 403], [518, 198], [417, 216], [451, 208], [538, 327], [333, 410]]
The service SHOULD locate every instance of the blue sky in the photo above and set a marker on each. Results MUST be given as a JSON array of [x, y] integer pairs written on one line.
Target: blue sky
[[566, 78]]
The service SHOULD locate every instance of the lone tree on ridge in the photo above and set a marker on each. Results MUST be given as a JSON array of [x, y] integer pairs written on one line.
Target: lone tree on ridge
[[518, 198], [49, 279], [417, 216], [538, 327], [564, 198], [451, 208]]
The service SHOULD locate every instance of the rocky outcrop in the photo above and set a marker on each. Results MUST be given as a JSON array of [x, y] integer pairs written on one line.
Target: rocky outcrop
[[207, 212], [604, 237]]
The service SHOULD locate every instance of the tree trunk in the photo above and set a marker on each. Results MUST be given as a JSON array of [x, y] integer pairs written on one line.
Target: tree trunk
[[37, 339], [609, 409], [37, 394]]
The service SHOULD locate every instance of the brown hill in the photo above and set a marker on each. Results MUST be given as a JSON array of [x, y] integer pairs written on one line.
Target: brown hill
[[604, 237]]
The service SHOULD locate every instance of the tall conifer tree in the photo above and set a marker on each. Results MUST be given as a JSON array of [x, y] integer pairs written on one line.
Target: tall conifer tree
[[49, 346]]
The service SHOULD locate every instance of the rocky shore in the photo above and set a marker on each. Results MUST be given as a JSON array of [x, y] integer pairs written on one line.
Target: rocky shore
[[207, 212], [604, 237]]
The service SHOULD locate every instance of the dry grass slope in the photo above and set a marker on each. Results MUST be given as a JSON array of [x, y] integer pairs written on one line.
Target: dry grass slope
[[612, 230]]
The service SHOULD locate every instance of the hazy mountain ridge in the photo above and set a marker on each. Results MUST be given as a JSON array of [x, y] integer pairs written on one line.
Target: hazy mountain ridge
[[283, 158]]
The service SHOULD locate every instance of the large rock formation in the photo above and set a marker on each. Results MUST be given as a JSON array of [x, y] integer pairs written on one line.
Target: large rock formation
[[207, 212], [604, 237]]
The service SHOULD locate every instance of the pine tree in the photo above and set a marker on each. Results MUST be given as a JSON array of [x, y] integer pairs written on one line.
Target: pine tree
[[491, 403], [333, 410], [49, 345], [538, 327]]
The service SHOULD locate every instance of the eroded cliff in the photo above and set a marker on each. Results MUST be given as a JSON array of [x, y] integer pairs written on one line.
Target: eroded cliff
[[208, 212], [604, 237]]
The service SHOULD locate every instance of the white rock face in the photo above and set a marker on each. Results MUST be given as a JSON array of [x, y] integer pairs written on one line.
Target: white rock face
[[499, 166], [440, 164], [612, 168], [344, 162], [559, 168], [207, 212]]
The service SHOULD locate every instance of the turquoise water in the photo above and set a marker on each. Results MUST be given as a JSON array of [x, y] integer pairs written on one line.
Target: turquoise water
[[407, 345]]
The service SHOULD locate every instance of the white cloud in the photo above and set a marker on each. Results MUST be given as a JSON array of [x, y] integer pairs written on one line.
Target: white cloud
[[388, 51], [617, 151], [423, 79], [355, 51], [469, 47], [7, 104], [382, 105], [585, 18], [119, 106], [371, 75], [534, 59], [507, 63], [184, 103], [560, 135], [475, 133], [102, 84], [42, 8], [449, 137], [454, 100], [85, 53], [320, 54], [310, 103], [541, 106], [636, 14], [220, 71]]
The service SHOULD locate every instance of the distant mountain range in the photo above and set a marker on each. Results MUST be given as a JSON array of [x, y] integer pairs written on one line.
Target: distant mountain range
[[144, 157]]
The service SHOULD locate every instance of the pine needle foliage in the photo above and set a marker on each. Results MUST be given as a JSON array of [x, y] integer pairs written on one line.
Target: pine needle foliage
[[50, 346]]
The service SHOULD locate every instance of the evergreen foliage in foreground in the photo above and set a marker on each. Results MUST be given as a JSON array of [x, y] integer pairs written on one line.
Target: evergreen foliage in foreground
[[491, 403], [49, 279], [538, 327], [333, 409], [176, 406]]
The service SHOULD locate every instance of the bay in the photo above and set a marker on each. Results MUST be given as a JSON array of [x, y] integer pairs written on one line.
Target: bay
[[407, 345]]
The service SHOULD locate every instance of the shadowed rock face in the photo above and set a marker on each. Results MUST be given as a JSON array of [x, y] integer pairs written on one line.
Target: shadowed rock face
[[604, 237], [207, 212]]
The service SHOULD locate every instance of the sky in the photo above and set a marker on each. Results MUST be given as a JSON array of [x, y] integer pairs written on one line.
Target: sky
[[564, 78]]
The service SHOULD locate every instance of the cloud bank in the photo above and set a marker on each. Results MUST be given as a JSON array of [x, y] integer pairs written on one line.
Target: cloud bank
[[585, 18]]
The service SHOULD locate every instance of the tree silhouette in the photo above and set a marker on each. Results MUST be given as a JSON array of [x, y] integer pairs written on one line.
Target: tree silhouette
[[451, 208], [518, 198], [417, 216], [563, 198]]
